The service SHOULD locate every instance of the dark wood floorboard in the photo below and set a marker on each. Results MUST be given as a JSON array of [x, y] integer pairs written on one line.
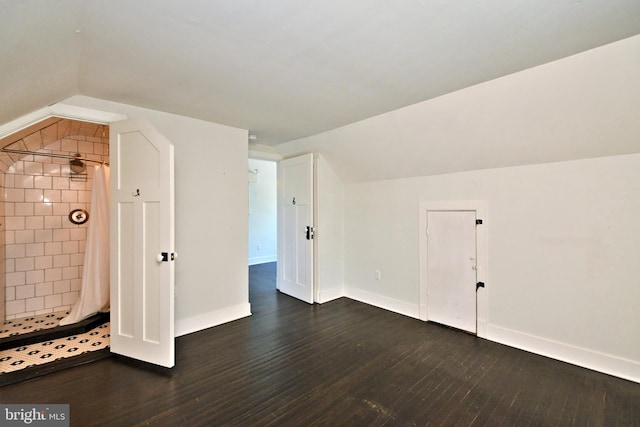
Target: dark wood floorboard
[[342, 363]]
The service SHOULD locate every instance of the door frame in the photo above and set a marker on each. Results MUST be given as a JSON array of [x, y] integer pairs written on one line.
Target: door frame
[[482, 272]]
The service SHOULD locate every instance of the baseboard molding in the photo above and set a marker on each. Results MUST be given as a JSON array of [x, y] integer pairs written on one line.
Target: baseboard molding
[[326, 295], [209, 320], [391, 304], [262, 259], [612, 365], [608, 364]]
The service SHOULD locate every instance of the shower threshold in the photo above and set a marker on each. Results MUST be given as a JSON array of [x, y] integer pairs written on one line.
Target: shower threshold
[[29, 330], [35, 346]]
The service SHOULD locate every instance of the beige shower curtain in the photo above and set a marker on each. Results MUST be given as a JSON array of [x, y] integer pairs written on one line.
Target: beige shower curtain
[[94, 295]]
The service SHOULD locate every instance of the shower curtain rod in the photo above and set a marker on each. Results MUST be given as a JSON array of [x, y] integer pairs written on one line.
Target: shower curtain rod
[[61, 156]]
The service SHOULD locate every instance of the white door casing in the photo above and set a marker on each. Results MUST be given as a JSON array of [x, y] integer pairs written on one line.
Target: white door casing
[[142, 228], [295, 227], [475, 209]]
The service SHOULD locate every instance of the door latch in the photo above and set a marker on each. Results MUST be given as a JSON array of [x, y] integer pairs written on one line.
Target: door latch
[[310, 232], [165, 256]]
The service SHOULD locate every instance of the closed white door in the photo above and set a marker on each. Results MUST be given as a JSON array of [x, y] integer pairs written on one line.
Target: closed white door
[[451, 268], [295, 227], [142, 243]]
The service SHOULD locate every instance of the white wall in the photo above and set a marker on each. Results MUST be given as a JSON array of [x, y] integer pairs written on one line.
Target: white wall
[[329, 232], [563, 238], [211, 214], [563, 241], [263, 212]]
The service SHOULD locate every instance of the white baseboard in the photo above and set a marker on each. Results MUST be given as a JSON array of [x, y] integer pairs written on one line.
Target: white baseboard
[[605, 363], [326, 295], [208, 320], [397, 306], [262, 259], [612, 365]]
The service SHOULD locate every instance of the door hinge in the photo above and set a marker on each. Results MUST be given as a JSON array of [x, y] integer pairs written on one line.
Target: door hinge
[[479, 285], [310, 232], [478, 221]]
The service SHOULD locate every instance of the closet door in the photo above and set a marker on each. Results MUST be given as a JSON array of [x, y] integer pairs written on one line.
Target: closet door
[[451, 269], [142, 243]]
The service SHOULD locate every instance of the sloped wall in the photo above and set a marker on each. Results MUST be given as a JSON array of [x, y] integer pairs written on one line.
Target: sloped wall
[[579, 107], [563, 234]]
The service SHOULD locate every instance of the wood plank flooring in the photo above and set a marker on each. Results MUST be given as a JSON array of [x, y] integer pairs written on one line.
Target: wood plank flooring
[[342, 363]]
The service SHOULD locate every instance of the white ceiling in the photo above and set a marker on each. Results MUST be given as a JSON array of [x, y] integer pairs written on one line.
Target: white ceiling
[[284, 69]]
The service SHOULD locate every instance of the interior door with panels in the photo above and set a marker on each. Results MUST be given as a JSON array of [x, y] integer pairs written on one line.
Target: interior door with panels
[[142, 243], [295, 227]]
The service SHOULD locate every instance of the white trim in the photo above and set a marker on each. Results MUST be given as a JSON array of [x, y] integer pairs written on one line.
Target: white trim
[[24, 122], [264, 152], [209, 320], [606, 363], [480, 207], [262, 259], [326, 295], [85, 114], [261, 155], [59, 110], [380, 301]]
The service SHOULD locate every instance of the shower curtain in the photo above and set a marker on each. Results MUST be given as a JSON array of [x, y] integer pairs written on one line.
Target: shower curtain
[[94, 295]]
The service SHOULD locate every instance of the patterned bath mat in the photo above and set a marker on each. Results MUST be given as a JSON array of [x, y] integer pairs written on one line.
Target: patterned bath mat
[[40, 353]]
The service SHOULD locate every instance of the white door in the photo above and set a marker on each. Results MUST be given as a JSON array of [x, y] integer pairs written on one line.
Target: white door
[[451, 268], [142, 229], [295, 227]]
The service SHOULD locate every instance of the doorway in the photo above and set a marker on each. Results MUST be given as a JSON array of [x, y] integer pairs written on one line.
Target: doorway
[[262, 215], [49, 170], [157, 297], [453, 264], [281, 208], [48, 183]]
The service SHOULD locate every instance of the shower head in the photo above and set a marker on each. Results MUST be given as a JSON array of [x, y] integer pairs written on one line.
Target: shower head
[[77, 165]]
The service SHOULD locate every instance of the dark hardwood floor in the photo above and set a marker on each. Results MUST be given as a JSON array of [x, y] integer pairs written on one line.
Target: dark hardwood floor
[[337, 364]]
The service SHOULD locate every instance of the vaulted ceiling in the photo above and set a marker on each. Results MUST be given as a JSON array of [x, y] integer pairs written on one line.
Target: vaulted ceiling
[[284, 69]]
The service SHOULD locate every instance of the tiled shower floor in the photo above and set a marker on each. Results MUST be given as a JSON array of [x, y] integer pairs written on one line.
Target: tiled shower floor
[[29, 324], [49, 350], [40, 353]]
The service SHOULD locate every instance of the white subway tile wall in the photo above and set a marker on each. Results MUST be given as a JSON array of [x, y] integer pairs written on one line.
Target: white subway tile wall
[[43, 251]]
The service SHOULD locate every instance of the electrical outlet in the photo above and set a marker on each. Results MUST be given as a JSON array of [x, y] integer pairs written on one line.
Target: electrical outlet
[[259, 247], [378, 275]]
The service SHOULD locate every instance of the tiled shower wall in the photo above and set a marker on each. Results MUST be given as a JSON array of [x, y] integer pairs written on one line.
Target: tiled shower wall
[[44, 251]]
